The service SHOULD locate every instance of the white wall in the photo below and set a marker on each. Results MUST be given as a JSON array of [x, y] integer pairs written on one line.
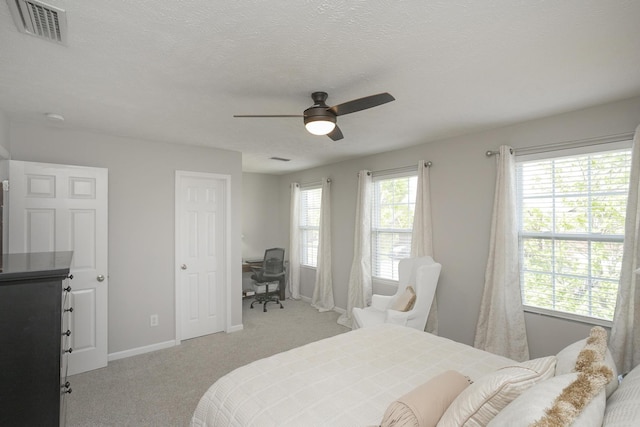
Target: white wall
[[141, 219], [4, 133], [463, 181], [261, 215]]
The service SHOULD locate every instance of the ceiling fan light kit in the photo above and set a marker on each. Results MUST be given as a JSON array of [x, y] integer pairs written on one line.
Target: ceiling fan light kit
[[320, 125], [320, 119]]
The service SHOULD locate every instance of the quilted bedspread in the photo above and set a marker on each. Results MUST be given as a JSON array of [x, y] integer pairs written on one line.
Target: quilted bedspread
[[345, 380]]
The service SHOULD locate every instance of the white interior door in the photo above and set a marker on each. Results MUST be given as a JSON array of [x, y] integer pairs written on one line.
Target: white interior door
[[201, 255], [64, 208]]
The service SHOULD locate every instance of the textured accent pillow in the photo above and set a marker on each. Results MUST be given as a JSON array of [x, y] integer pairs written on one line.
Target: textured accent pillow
[[622, 407], [530, 406], [424, 405], [480, 402], [405, 301], [568, 357]]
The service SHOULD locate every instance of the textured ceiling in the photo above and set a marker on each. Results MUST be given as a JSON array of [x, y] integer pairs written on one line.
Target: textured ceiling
[[176, 71]]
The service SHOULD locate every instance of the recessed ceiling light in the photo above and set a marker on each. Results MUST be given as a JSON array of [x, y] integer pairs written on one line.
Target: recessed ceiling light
[[55, 117]]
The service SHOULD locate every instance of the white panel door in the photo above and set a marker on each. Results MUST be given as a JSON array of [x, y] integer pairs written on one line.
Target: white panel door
[[64, 208], [201, 203]]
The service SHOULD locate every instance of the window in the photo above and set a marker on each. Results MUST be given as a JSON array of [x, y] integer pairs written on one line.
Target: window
[[310, 200], [571, 213], [394, 201]]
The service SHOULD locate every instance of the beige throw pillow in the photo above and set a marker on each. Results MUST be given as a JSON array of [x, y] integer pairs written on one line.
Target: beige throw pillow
[[592, 377], [531, 405], [568, 357], [480, 402], [405, 301], [424, 405]]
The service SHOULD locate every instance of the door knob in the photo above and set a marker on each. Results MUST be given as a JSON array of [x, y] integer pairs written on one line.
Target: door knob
[[100, 278], [183, 266]]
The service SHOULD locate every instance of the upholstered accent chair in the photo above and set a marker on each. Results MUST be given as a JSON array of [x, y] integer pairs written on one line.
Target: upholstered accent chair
[[417, 274]]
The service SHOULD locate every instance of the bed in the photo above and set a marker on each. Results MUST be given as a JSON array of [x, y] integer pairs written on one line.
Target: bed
[[351, 379]]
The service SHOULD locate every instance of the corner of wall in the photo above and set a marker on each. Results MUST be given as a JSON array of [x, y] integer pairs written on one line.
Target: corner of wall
[[4, 136]]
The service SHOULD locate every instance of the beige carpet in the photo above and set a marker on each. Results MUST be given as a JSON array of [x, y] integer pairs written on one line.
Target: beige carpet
[[163, 388]]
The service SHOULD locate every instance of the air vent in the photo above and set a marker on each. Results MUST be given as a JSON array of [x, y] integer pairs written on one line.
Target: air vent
[[280, 159], [39, 19]]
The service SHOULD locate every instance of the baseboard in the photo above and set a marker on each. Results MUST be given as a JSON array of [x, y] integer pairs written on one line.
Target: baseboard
[[140, 350], [235, 328], [168, 344], [336, 309]]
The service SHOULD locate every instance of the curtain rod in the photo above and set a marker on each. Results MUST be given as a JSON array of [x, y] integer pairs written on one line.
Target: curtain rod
[[569, 144], [311, 184], [427, 164]]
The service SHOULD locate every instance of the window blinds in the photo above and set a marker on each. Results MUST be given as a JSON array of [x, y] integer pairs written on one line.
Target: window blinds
[[571, 225], [310, 202], [394, 201]]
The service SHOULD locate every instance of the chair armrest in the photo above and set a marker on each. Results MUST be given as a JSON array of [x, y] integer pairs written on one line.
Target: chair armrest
[[380, 302], [397, 317]]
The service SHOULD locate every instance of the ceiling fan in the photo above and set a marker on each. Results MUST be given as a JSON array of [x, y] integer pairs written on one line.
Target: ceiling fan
[[320, 119]]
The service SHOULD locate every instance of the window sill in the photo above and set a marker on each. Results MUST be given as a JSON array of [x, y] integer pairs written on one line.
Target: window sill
[[384, 282], [568, 316]]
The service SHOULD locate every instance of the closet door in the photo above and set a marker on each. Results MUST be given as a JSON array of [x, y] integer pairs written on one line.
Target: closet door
[[64, 208]]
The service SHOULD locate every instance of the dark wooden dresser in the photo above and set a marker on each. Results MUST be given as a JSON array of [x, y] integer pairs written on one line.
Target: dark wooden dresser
[[32, 294]]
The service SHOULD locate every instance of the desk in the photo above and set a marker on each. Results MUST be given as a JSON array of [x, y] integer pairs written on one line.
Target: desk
[[246, 268]]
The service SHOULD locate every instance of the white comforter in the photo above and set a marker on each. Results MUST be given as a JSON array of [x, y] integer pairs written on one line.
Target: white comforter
[[345, 380]]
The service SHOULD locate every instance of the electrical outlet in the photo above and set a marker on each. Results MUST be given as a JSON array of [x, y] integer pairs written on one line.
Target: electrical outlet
[[153, 320]]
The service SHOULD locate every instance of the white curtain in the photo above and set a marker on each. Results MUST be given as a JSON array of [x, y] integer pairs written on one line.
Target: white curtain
[[294, 242], [625, 333], [359, 290], [323, 291], [422, 235], [501, 328]]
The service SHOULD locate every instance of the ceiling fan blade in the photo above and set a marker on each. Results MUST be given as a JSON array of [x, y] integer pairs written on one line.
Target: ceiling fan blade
[[268, 115], [361, 104], [335, 134]]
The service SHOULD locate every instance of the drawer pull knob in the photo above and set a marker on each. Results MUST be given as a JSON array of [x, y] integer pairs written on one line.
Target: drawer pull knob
[[69, 350], [67, 289], [70, 310], [68, 333]]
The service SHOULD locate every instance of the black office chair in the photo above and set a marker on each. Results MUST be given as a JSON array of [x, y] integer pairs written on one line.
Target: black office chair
[[268, 279]]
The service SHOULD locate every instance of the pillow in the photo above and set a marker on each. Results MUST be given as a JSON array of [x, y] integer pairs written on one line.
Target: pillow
[[481, 401], [405, 301], [530, 406], [568, 357], [424, 405], [623, 408]]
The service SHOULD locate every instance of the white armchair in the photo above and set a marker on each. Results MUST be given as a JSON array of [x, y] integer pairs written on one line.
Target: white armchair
[[420, 273]]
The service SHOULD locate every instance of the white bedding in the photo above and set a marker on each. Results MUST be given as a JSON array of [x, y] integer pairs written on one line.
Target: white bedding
[[345, 380]]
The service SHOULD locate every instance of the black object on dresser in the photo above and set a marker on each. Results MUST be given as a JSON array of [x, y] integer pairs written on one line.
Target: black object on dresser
[[32, 387]]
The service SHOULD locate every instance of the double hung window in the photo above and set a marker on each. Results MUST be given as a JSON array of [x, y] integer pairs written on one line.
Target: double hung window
[[394, 201], [571, 214]]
